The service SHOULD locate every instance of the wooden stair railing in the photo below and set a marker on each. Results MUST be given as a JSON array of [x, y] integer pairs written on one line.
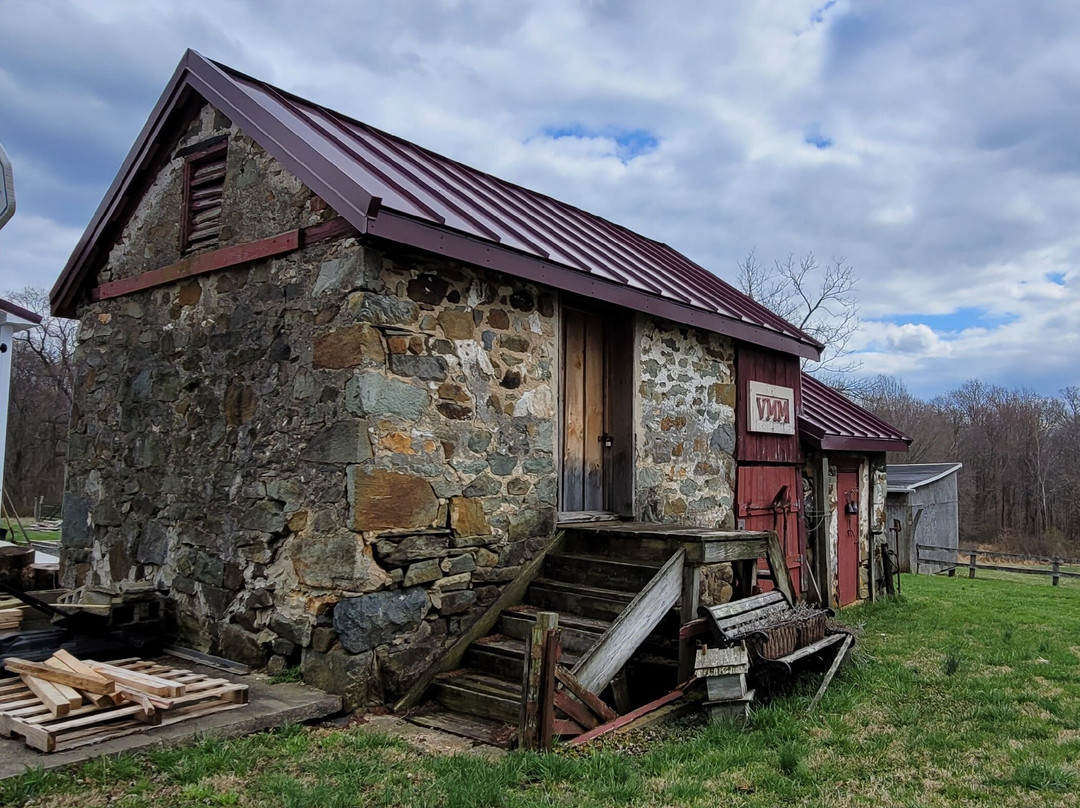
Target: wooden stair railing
[[599, 665]]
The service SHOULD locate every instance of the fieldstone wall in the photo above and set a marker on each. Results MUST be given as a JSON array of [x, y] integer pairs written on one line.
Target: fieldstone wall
[[333, 458], [686, 439]]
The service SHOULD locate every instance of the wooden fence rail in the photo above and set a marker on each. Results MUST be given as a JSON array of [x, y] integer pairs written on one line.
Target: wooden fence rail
[[951, 560]]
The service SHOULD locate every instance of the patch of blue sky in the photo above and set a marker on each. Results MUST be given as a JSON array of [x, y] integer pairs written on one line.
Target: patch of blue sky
[[629, 143], [1056, 277], [955, 321], [816, 139]]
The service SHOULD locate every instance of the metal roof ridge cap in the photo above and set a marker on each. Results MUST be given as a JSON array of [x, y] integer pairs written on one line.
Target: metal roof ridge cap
[[374, 202]]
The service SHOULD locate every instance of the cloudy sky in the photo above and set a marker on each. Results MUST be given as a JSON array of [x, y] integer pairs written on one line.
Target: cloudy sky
[[930, 144]]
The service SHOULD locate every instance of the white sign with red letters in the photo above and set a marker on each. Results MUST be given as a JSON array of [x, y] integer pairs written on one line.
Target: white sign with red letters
[[772, 409]]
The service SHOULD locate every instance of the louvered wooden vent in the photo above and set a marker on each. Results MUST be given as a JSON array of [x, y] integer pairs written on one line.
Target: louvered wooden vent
[[204, 185]]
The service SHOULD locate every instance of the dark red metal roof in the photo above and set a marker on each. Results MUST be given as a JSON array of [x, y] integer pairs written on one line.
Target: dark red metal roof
[[393, 189], [831, 421]]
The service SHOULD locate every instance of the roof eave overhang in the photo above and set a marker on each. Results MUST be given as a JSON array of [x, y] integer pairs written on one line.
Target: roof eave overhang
[[953, 468], [409, 231], [195, 73], [826, 442]]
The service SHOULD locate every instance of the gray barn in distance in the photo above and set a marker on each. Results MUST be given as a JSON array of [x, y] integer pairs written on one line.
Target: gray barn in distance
[[922, 497]]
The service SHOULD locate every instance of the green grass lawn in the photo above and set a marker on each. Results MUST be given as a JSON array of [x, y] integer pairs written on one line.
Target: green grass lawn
[[964, 693]]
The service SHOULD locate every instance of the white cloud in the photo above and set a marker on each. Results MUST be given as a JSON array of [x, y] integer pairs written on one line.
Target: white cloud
[[949, 175]]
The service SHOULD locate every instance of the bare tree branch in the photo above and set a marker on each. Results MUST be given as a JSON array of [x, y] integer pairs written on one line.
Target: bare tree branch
[[821, 299]]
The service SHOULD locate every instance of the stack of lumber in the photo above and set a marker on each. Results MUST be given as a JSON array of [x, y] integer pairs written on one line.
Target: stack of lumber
[[66, 702], [10, 619]]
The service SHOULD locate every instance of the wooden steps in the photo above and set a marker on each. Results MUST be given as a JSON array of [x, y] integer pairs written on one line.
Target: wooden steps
[[474, 693], [598, 571], [589, 582], [579, 634], [502, 656]]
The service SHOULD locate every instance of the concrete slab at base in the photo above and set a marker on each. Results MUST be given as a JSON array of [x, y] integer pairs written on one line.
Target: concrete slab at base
[[268, 706]]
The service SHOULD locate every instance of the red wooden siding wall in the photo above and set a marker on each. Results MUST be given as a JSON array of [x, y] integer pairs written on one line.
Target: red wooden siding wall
[[768, 489], [761, 365]]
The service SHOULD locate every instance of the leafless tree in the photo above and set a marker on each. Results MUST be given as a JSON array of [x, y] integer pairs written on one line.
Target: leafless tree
[[820, 298], [41, 395]]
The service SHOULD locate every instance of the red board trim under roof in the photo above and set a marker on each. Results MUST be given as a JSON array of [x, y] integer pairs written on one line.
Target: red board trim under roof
[[392, 189], [833, 422]]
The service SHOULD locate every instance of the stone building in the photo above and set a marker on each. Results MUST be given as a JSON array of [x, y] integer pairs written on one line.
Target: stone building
[[333, 390]]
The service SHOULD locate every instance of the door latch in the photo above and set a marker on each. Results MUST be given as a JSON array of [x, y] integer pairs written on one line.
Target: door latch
[[607, 440]]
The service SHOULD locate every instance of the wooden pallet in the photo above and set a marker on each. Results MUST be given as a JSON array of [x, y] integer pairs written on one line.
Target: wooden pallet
[[22, 714]]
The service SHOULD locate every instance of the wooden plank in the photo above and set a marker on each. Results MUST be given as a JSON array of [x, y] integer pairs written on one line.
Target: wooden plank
[[531, 721], [58, 699], [598, 665], [778, 566], [695, 628], [1065, 562], [223, 258], [493, 733], [723, 611], [566, 726], [619, 402], [573, 392], [146, 683], [1025, 570], [571, 518], [718, 552], [336, 228], [209, 660], [550, 662], [689, 599], [831, 672], [669, 531], [590, 699], [620, 691], [63, 677], [623, 720], [62, 660], [512, 595], [595, 414], [575, 709], [463, 698], [813, 648]]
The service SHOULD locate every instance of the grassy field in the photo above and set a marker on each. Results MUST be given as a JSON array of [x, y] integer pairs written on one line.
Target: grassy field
[[964, 693]]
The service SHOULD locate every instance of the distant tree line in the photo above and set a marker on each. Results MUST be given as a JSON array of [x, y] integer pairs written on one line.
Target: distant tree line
[[1020, 485]]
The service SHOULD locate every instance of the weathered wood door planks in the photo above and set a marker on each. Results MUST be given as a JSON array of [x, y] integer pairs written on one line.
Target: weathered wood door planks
[[583, 411]]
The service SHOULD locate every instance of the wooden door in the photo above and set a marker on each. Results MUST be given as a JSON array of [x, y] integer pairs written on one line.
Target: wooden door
[[770, 498], [847, 535], [585, 440]]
